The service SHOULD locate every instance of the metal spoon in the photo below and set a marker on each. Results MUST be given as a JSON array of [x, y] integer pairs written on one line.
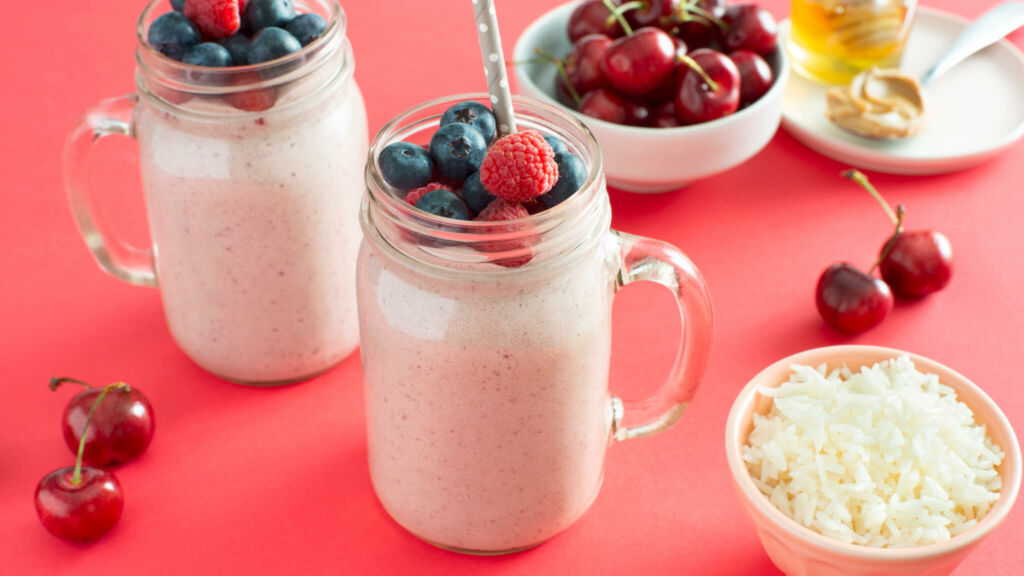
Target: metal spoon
[[988, 29]]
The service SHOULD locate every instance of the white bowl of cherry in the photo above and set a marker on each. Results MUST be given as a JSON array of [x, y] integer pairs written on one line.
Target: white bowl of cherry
[[674, 90]]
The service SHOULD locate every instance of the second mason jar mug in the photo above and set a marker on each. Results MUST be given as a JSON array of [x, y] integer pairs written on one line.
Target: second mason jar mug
[[486, 350], [252, 177]]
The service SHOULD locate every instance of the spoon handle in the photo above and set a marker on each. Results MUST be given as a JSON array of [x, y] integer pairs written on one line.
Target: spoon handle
[[989, 28]]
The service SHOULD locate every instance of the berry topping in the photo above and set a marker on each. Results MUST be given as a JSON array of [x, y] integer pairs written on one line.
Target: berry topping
[[272, 43], [405, 166], [499, 210], [307, 27], [572, 175], [519, 167], [178, 5], [457, 150], [209, 54], [238, 46], [216, 19], [260, 14], [473, 113], [474, 194], [556, 143], [172, 34], [415, 194], [443, 202]]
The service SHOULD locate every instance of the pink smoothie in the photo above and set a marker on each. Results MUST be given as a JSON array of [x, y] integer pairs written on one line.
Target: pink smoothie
[[487, 403], [256, 231]]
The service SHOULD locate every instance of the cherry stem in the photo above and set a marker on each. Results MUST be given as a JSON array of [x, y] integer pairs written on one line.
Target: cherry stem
[[560, 66], [891, 241], [56, 382], [616, 14], [696, 68], [861, 179], [76, 478], [692, 7]]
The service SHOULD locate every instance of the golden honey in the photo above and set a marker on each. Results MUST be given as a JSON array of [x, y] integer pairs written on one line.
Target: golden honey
[[832, 41]]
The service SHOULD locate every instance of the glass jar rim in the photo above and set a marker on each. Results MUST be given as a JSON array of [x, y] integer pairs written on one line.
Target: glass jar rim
[[399, 208], [221, 80]]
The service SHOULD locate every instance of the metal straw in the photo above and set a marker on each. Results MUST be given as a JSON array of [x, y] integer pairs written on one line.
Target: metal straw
[[494, 66]]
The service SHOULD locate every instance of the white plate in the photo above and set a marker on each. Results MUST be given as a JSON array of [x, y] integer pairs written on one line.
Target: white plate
[[974, 111]]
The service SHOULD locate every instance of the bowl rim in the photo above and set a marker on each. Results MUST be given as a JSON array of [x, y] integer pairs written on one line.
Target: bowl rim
[[531, 31], [749, 491]]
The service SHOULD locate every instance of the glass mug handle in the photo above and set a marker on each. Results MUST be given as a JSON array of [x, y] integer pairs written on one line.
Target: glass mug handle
[[114, 116], [661, 263]]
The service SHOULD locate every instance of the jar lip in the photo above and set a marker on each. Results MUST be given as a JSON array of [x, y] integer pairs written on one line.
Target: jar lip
[[471, 228], [336, 26]]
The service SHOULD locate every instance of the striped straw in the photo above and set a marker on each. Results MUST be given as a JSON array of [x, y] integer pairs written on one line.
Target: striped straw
[[494, 66]]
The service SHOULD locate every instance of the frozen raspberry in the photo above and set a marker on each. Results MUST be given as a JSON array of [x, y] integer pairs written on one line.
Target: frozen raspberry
[[501, 210], [519, 167], [216, 19], [415, 194]]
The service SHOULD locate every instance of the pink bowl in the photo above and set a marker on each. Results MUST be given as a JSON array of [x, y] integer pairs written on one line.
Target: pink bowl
[[799, 551]]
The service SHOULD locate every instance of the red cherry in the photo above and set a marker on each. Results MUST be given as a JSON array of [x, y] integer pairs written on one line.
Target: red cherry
[[665, 116], [652, 13], [604, 104], [121, 427], [708, 88], [917, 263], [637, 64], [583, 63], [914, 263], [750, 28], [699, 24], [593, 17], [756, 75], [79, 511], [851, 300], [80, 503], [638, 113]]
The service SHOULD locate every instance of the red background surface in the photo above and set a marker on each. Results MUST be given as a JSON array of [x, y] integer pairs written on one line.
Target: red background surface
[[275, 481]]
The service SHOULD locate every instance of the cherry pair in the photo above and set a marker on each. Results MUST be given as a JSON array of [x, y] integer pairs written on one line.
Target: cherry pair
[[913, 264], [103, 426]]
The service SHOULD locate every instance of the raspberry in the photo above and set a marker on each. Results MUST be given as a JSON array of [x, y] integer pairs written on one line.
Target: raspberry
[[497, 211], [216, 19], [501, 210], [519, 167], [415, 194]]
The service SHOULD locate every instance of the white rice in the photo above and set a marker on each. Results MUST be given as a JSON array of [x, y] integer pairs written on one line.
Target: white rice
[[886, 457]]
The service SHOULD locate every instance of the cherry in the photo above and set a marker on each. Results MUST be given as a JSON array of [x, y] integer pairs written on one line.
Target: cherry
[[604, 104], [584, 61], [750, 27], [851, 300], [638, 63], [756, 75], [80, 503], [708, 88], [638, 113], [594, 17], [664, 116], [699, 23], [122, 427], [914, 263], [650, 13]]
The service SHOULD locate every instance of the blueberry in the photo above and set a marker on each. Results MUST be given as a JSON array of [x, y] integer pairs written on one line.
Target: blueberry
[[473, 192], [173, 35], [260, 14], [307, 27], [457, 150], [272, 43], [405, 166], [178, 5], [473, 113], [208, 54], [572, 175], [443, 203], [556, 144], [238, 46]]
